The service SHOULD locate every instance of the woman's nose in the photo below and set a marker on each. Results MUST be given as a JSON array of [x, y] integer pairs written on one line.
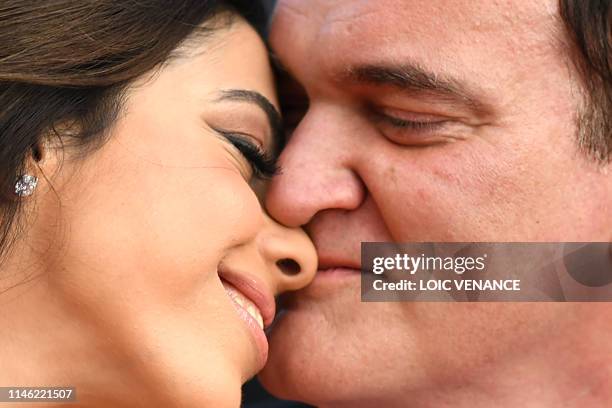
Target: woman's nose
[[290, 254]]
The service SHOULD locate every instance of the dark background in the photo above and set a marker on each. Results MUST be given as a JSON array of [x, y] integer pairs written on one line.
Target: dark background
[[254, 396], [269, 4]]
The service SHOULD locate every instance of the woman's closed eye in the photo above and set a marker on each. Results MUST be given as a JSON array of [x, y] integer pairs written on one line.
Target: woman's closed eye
[[263, 164]]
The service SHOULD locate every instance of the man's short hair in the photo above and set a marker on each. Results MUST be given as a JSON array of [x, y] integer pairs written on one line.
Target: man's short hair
[[588, 23]]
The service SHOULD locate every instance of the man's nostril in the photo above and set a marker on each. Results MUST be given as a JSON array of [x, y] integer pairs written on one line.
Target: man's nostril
[[289, 266]]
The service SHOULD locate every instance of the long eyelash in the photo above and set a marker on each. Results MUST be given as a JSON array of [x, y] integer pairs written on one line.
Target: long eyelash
[[264, 165], [406, 124]]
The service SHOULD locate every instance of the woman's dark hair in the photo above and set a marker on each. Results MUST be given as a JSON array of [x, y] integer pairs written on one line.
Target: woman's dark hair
[[589, 24], [67, 63]]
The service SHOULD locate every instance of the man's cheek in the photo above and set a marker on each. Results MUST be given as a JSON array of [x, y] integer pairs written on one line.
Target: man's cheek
[[427, 202]]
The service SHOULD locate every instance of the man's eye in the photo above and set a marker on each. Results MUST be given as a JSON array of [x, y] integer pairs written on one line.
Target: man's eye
[[415, 129], [424, 126], [264, 165]]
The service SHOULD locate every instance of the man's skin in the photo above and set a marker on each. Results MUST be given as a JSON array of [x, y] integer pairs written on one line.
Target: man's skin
[[494, 158]]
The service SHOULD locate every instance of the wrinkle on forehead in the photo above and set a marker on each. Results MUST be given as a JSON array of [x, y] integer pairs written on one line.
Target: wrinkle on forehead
[[426, 15], [330, 12], [469, 39], [353, 12], [370, 25]]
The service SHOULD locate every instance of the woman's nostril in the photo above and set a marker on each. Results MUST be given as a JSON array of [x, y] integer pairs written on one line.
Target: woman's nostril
[[289, 266]]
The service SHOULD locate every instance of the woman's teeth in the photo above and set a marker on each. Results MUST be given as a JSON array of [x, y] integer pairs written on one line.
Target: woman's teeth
[[244, 303], [252, 310]]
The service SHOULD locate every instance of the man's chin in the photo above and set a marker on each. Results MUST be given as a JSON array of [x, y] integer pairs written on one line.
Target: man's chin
[[301, 346], [322, 348]]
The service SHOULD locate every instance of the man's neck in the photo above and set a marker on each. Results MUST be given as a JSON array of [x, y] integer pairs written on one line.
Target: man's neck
[[575, 381]]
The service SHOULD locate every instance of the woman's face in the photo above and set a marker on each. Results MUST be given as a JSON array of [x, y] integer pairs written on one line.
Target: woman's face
[[164, 254]]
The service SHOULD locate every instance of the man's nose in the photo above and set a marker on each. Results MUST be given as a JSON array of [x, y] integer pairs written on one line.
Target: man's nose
[[290, 255], [317, 172]]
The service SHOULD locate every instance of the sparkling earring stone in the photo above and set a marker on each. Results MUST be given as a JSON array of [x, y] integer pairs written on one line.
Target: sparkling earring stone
[[26, 185]]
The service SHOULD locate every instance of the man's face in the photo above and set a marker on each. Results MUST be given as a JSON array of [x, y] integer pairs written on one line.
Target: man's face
[[427, 120]]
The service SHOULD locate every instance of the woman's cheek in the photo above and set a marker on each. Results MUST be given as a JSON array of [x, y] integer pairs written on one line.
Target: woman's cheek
[[159, 232], [239, 213], [203, 225]]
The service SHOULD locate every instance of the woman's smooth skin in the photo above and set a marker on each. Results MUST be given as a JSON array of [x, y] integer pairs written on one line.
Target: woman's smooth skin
[[126, 245]]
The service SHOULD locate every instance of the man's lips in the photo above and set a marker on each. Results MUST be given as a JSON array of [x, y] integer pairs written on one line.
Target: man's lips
[[338, 271], [331, 277], [337, 266], [333, 262], [326, 284]]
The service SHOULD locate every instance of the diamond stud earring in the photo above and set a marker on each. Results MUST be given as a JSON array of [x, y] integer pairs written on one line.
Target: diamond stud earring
[[26, 185]]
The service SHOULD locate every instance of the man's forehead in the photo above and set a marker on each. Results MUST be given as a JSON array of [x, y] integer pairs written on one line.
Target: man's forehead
[[334, 33], [330, 11], [325, 17], [353, 10]]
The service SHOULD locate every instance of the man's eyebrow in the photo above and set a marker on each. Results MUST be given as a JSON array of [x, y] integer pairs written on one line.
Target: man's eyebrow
[[255, 98], [413, 78]]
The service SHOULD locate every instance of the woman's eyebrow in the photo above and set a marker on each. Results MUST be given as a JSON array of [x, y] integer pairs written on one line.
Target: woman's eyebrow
[[257, 99]]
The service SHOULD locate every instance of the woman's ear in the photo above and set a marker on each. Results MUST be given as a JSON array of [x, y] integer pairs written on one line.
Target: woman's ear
[[27, 182], [37, 152], [44, 155]]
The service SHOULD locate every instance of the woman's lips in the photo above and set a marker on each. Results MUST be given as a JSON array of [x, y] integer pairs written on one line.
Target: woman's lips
[[252, 317], [244, 303], [254, 304], [253, 289]]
